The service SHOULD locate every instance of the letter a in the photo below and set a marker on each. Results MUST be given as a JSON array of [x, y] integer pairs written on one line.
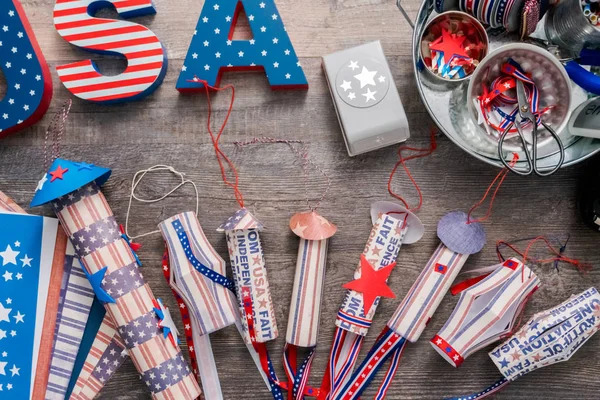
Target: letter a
[[146, 57], [29, 84], [213, 50]]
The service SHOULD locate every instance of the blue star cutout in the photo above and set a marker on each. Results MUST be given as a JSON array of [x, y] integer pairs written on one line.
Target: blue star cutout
[[96, 282], [81, 166], [504, 363], [137, 259]]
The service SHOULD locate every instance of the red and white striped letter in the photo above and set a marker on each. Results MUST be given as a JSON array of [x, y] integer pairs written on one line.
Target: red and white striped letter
[[146, 57]]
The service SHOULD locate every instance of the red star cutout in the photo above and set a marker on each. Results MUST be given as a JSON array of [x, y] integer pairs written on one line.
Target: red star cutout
[[256, 260], [450, 46], [58, 173], [372, 284], [516, 356], [537, 357]]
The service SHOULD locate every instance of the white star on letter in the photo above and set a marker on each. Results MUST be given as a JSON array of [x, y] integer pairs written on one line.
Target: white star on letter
[[15, 370], [351, 95], [2, 366], [353, 65], [366, 77]]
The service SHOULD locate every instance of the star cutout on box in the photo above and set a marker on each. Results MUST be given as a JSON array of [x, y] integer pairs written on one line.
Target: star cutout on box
[[372, 284], [166, 322]]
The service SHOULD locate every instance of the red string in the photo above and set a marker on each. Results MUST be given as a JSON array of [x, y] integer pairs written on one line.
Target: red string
[[420, 153], [215, 140], [500, 179], [558, 256]]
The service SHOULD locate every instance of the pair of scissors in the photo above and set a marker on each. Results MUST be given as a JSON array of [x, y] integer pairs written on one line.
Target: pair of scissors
[[531, 156]]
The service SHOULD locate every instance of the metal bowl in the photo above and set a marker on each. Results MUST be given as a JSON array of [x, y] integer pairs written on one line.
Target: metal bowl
[[550, 78], [447, 107]]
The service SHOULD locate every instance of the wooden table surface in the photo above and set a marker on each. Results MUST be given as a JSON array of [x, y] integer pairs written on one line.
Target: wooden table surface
[[169, 128]]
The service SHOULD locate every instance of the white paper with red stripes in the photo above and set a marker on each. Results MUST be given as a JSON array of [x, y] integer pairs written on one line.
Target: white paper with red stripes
[[419, 305], [486, 311], [146, 57], [76, 302], [303, 321]]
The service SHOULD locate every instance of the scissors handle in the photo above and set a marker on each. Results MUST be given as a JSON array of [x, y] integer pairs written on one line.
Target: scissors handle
[[561, 151], [530, 163]]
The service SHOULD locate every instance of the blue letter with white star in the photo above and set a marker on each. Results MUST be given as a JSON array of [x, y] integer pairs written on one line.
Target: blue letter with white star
[[213, 50], [29, 84]]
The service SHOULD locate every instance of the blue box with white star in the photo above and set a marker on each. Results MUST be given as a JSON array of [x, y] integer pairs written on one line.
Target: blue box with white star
[[27, 245], [366, 100]]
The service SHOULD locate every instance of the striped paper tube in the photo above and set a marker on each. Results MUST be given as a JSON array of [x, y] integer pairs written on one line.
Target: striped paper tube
[[303, 322], [248, 265], [426, 294], [74, 309], [486, 311], [381, 250], [89, 222]]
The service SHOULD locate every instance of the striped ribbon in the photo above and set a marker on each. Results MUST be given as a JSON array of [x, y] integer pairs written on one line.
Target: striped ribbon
[[89, 221], [485, 392], [496, 98], [389, 344]]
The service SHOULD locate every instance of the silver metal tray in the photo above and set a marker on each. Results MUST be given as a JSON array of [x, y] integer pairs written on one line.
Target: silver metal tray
[[447, 105]]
